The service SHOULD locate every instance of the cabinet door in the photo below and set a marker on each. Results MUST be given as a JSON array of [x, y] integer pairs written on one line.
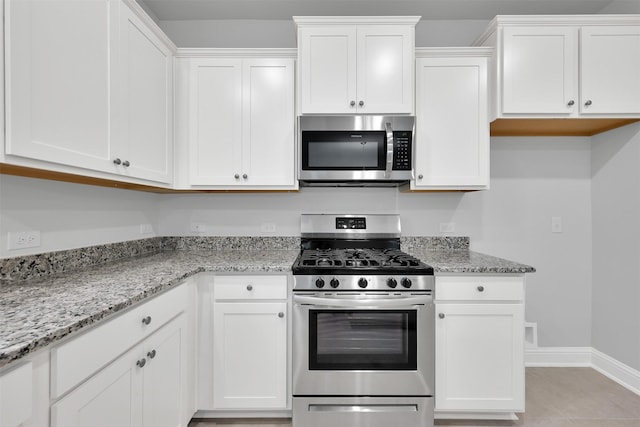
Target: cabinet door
[[250, 355], [163, 385], [610, 70], [109, 398], [385, 69], [480, 357], [144, 88], [16, 396], [452, 141], [215, 122], [327, 70], [57, 80], [268, 122], [539, 70]]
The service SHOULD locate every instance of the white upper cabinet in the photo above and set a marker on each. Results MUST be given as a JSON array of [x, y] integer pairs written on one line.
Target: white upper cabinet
[[539, 70], [452, 124], [58, 66], [356, 65], [610, 70], [565, 66], [88, 86], [241, 122], [145, 86]]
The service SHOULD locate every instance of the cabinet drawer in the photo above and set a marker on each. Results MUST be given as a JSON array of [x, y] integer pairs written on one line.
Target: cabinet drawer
[[479, 288], [16, 396], [79, 358], [249, 287]]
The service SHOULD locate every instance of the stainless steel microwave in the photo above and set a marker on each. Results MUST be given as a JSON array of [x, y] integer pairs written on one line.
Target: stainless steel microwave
[[355, 150]]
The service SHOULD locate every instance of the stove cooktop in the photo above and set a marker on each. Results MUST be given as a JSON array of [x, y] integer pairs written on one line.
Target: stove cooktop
[[358, 261]]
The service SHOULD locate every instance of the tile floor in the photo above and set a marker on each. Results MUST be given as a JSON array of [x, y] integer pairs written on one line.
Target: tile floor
[[555, 397]]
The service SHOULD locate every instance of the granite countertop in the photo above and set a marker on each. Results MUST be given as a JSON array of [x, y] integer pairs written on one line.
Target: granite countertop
[[466, 261], [37, 312]]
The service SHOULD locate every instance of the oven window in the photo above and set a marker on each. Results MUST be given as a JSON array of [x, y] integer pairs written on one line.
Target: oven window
[[362, 340], [343, 150]]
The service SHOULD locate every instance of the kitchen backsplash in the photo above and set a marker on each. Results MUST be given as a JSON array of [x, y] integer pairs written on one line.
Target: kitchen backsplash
[[46, 264]]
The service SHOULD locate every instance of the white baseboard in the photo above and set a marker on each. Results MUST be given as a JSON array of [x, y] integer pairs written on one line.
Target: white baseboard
[[624, 375], [617, 371], [558, 356]]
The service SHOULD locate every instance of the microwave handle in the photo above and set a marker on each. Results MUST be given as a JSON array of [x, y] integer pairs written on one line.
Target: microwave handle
[[387, 172]]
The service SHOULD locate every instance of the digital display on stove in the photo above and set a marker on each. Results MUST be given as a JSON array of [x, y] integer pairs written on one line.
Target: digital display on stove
[[359, 223]]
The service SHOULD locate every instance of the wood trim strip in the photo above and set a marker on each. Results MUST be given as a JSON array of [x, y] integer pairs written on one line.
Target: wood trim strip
[[7, 169], [555, 127]]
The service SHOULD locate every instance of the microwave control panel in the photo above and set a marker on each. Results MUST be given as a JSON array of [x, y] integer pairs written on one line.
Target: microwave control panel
[[402, 150]]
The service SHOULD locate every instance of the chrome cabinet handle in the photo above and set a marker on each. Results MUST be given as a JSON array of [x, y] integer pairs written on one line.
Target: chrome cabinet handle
[[441, 315], [571, 103], [151, 354], [126, 163], [245, 176], [141, 362], [586, 104], [249, 287], [236, 176], [146, 320], [420, 176], [281, 315], [352, 103], [361, 103], [117, 161], [480, 288]]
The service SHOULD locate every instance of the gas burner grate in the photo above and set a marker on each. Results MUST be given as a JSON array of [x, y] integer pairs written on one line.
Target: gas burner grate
[[356, 259]]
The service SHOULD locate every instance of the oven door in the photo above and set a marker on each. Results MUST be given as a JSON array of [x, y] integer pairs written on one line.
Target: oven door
[[363, 344]]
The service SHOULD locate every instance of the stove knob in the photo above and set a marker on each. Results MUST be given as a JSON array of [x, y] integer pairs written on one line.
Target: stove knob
[[391, 282], [362, 282], [319, 282], [334, 283], [406, 282]]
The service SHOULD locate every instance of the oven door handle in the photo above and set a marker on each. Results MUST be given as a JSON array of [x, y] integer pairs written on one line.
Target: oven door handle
[[399, 302]]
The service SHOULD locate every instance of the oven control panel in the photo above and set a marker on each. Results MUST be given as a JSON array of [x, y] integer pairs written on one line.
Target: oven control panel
[[351, 223], [360, 283]]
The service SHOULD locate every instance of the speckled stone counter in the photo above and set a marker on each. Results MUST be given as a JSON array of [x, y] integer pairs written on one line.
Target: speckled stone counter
[[466, 261], [46, 297], [38, 312]]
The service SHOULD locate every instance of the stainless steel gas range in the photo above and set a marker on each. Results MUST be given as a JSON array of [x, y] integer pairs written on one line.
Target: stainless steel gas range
[[363, 326]]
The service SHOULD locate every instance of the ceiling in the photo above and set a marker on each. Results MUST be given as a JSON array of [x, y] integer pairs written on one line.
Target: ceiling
[[167, 10]]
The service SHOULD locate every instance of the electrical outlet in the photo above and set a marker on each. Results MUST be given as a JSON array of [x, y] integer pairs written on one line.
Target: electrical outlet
[[198, 228], [23, 239], [447, 227], [268, 227], [146, 229]]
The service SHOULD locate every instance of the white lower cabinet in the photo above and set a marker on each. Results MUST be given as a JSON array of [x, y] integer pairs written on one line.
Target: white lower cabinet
[[249, 356], [16, 395], [479, 345], [143, 387], [244, 354]]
